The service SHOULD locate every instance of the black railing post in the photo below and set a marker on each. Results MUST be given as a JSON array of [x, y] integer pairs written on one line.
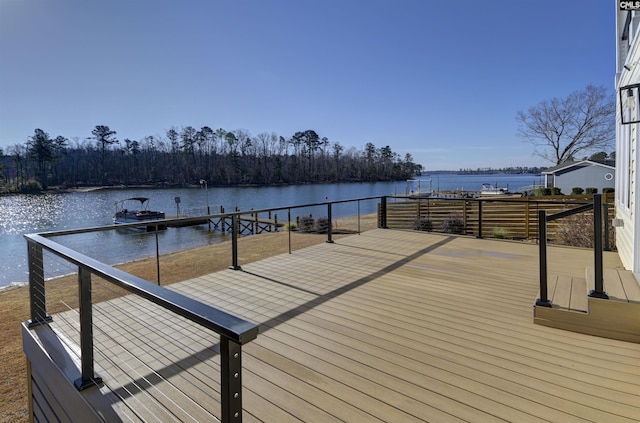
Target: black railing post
[[157, 256], [605, 221], [479, 218], [383, 212], [289, 228], [87, 378], [235, 228], [37, 297], [542, 246], [330, 227], [358, 217], [598, 291], [230, 380]]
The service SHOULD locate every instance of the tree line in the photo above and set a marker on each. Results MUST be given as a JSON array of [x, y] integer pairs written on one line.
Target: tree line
[[184, 156]]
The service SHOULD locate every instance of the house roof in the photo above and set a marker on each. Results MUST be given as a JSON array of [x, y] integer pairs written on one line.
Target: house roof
[[609, 164]]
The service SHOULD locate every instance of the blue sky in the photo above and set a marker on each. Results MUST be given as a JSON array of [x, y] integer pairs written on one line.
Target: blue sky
[[442, 80]]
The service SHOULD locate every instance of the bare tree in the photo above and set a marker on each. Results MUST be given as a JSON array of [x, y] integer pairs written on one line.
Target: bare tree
[[560, 129]]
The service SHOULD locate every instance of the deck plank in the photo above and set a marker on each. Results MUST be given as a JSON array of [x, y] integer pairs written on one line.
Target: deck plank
[[630, 285], [613, 285], [562, 294], [578, 295], [384, 326]]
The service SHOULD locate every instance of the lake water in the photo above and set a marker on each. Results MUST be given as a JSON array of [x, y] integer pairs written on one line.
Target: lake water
[[22, 214]]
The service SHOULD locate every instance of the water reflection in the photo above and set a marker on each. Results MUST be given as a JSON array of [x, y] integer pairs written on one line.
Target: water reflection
[[21, 213]]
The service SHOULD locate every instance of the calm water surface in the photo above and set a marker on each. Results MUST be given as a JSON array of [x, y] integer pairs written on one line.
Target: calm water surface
[[22, 214]]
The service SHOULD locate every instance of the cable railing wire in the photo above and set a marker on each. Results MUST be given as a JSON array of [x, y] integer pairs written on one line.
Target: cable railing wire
[[124, 359]]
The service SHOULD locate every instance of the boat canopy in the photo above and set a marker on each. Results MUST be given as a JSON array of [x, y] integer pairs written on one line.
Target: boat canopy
[[141, 199]]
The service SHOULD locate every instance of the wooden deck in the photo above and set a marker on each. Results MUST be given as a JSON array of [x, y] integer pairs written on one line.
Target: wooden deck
[[386, 326], [617, 317]]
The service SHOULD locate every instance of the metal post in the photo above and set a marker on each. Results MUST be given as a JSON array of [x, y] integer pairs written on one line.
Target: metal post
[[358, 217], [231, 380], [37, 298], [330, 228], [479, 218], [157, 256], [465, 206], [289, 226], [598, 292], [605, 220], [235, 228], [383, 212], [87, 378], [542, 246]]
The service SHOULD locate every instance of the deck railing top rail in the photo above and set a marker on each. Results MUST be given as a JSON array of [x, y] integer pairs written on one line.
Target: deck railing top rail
[[224, 324]]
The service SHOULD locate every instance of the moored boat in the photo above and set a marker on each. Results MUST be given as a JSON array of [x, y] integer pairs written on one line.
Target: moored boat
[[140, 212], [488, 189], [415, 188]]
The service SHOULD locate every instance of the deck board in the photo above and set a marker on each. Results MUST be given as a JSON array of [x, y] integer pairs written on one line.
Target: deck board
[[613, 284], [383, 326], [578, 294], [630, 285]]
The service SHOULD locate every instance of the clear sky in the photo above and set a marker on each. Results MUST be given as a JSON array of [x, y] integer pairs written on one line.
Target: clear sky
[[442, 80]]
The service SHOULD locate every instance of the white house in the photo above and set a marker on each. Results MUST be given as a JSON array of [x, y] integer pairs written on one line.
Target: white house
[[627, 81]]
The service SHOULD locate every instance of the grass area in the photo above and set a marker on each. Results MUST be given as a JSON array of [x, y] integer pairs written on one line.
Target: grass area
[[62, 294]]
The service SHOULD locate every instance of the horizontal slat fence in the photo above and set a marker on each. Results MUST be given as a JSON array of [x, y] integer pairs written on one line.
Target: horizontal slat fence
[[513, 217]]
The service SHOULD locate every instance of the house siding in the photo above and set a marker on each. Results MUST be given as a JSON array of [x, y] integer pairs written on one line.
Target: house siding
[[628, 52], [585, 177]]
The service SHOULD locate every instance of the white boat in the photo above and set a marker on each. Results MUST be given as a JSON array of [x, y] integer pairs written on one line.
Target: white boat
[[415, 188], [488, 189], [136, 210]]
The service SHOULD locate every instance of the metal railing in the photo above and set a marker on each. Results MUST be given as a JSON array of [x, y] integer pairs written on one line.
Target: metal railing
[[233, 331], [596, 206], [236, 216]]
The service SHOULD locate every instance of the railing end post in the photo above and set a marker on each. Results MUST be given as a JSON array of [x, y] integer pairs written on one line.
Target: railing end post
[[330, 227], [382, 221]]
